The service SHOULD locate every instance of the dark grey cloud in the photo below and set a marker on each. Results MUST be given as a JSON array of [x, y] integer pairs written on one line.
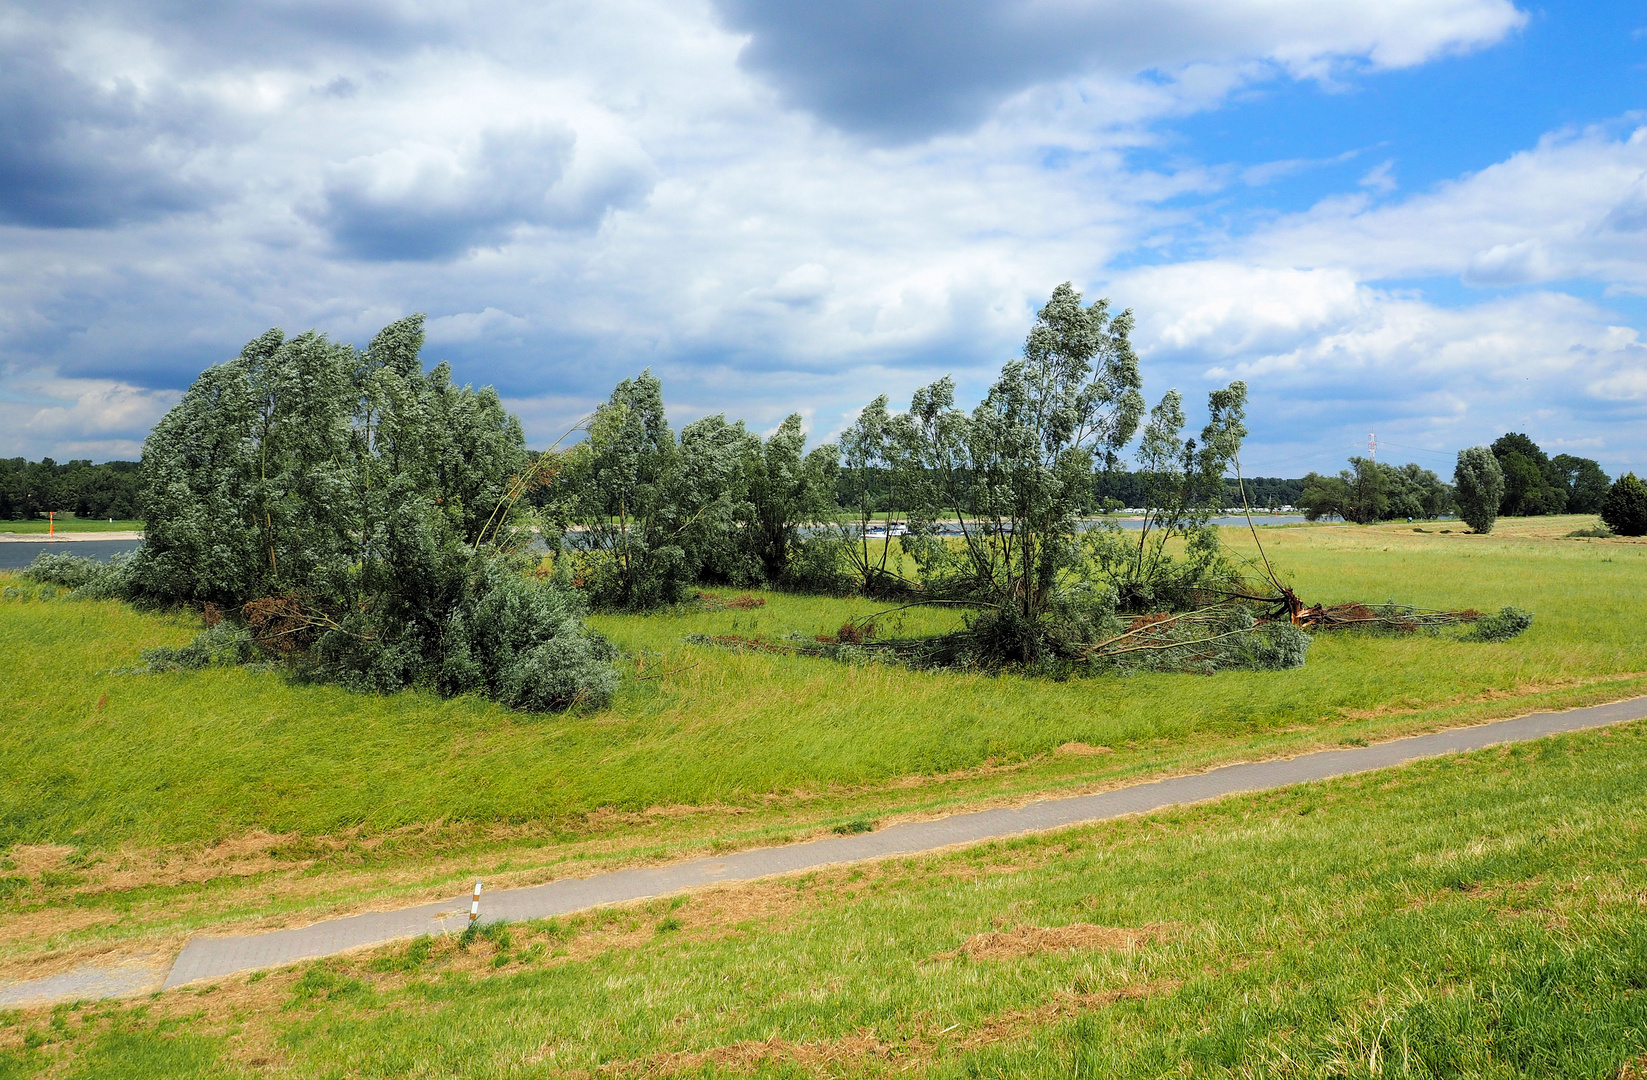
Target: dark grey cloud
[[76, 155], [903, 71], [900, 71], [389, 208]]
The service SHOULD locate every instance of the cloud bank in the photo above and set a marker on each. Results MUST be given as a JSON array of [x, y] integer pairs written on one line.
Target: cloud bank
[[784, 207]]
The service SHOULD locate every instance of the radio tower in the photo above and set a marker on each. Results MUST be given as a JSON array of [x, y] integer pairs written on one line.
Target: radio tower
[[1372, 445]]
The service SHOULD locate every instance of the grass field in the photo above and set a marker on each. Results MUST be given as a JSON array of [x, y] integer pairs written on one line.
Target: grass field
[[137, 809], [1480, 916], [71, 525]]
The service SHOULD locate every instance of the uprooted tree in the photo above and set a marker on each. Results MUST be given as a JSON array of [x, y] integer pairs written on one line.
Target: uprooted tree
[[355, 514]]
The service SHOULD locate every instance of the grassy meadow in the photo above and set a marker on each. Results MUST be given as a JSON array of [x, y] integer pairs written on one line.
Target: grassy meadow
[[1483, 915], [135, 810]]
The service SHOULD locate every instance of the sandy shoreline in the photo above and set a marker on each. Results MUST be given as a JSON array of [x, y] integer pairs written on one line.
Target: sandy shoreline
[[42, 538]]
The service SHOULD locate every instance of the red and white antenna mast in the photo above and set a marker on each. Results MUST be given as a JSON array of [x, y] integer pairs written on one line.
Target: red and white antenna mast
[[1372, 445]]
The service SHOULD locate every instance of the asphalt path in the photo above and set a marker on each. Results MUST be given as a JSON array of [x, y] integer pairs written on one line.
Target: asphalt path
[[206, 958]]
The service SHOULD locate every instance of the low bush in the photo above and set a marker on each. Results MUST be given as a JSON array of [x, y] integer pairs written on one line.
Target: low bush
[[60, 568], [1501, 627]]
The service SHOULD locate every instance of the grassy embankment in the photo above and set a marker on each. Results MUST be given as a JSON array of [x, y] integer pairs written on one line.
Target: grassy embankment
[[137, 810], [1480, 916], [71, 525]]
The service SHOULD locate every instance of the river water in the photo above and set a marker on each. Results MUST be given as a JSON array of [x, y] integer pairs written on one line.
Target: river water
[[16, 554]]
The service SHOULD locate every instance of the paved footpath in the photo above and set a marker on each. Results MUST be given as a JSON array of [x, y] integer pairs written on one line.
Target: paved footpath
[[215, 957]]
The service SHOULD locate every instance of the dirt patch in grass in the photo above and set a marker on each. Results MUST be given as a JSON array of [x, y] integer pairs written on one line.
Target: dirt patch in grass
[[1029, 940], [831, 1056], [32, 860], [1081, 749]]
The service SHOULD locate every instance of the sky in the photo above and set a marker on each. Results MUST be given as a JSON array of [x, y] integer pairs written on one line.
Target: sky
[[1420, 219]]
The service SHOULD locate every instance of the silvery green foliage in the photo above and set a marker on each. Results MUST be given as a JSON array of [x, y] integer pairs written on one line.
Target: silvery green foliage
[[789, 490], [1016, 471], [523, 643], [60, 568], [1276, 646], [1478, 484], [294, 465], [374, 496], [650, 516], [623, 494], [223, 645], [1175, 557], [1503, 626], [89, 578], [712, 496]]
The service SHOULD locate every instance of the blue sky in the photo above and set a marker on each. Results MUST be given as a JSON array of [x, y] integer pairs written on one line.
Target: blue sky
[[1424, 218]]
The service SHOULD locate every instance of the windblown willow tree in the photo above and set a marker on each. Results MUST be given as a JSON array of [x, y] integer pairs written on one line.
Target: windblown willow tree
[[355, 513], [1016, 472], [1012, 478], [654, 514]]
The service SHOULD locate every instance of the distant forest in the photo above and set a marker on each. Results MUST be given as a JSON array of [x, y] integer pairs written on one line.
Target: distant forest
[[28, 489], [1535, 483]]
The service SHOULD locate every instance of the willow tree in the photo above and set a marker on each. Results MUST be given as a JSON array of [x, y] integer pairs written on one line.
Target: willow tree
[[352, 509], [1015, 473]]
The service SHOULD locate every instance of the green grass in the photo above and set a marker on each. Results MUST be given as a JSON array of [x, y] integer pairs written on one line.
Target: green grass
[[1477, 916], [72, 525], [375, 798]]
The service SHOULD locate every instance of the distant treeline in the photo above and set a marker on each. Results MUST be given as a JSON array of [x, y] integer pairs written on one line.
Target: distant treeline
[[29, 489], [1120, 488], [1534, 484]]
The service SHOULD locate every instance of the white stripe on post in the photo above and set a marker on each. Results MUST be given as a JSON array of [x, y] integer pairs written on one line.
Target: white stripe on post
[[474, 905]]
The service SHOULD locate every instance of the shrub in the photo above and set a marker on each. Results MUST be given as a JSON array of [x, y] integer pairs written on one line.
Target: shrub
[[69, 571], [1501, 627], [90, 579], [1625, 507], [222, 645], [1479, 484]]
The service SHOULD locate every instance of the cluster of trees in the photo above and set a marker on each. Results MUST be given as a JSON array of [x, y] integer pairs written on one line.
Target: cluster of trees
[[1510, 478], [1372, 490], [30, 489], [993, 498], [1535, 483], [640, 513], [377, 525], [357, 514]]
